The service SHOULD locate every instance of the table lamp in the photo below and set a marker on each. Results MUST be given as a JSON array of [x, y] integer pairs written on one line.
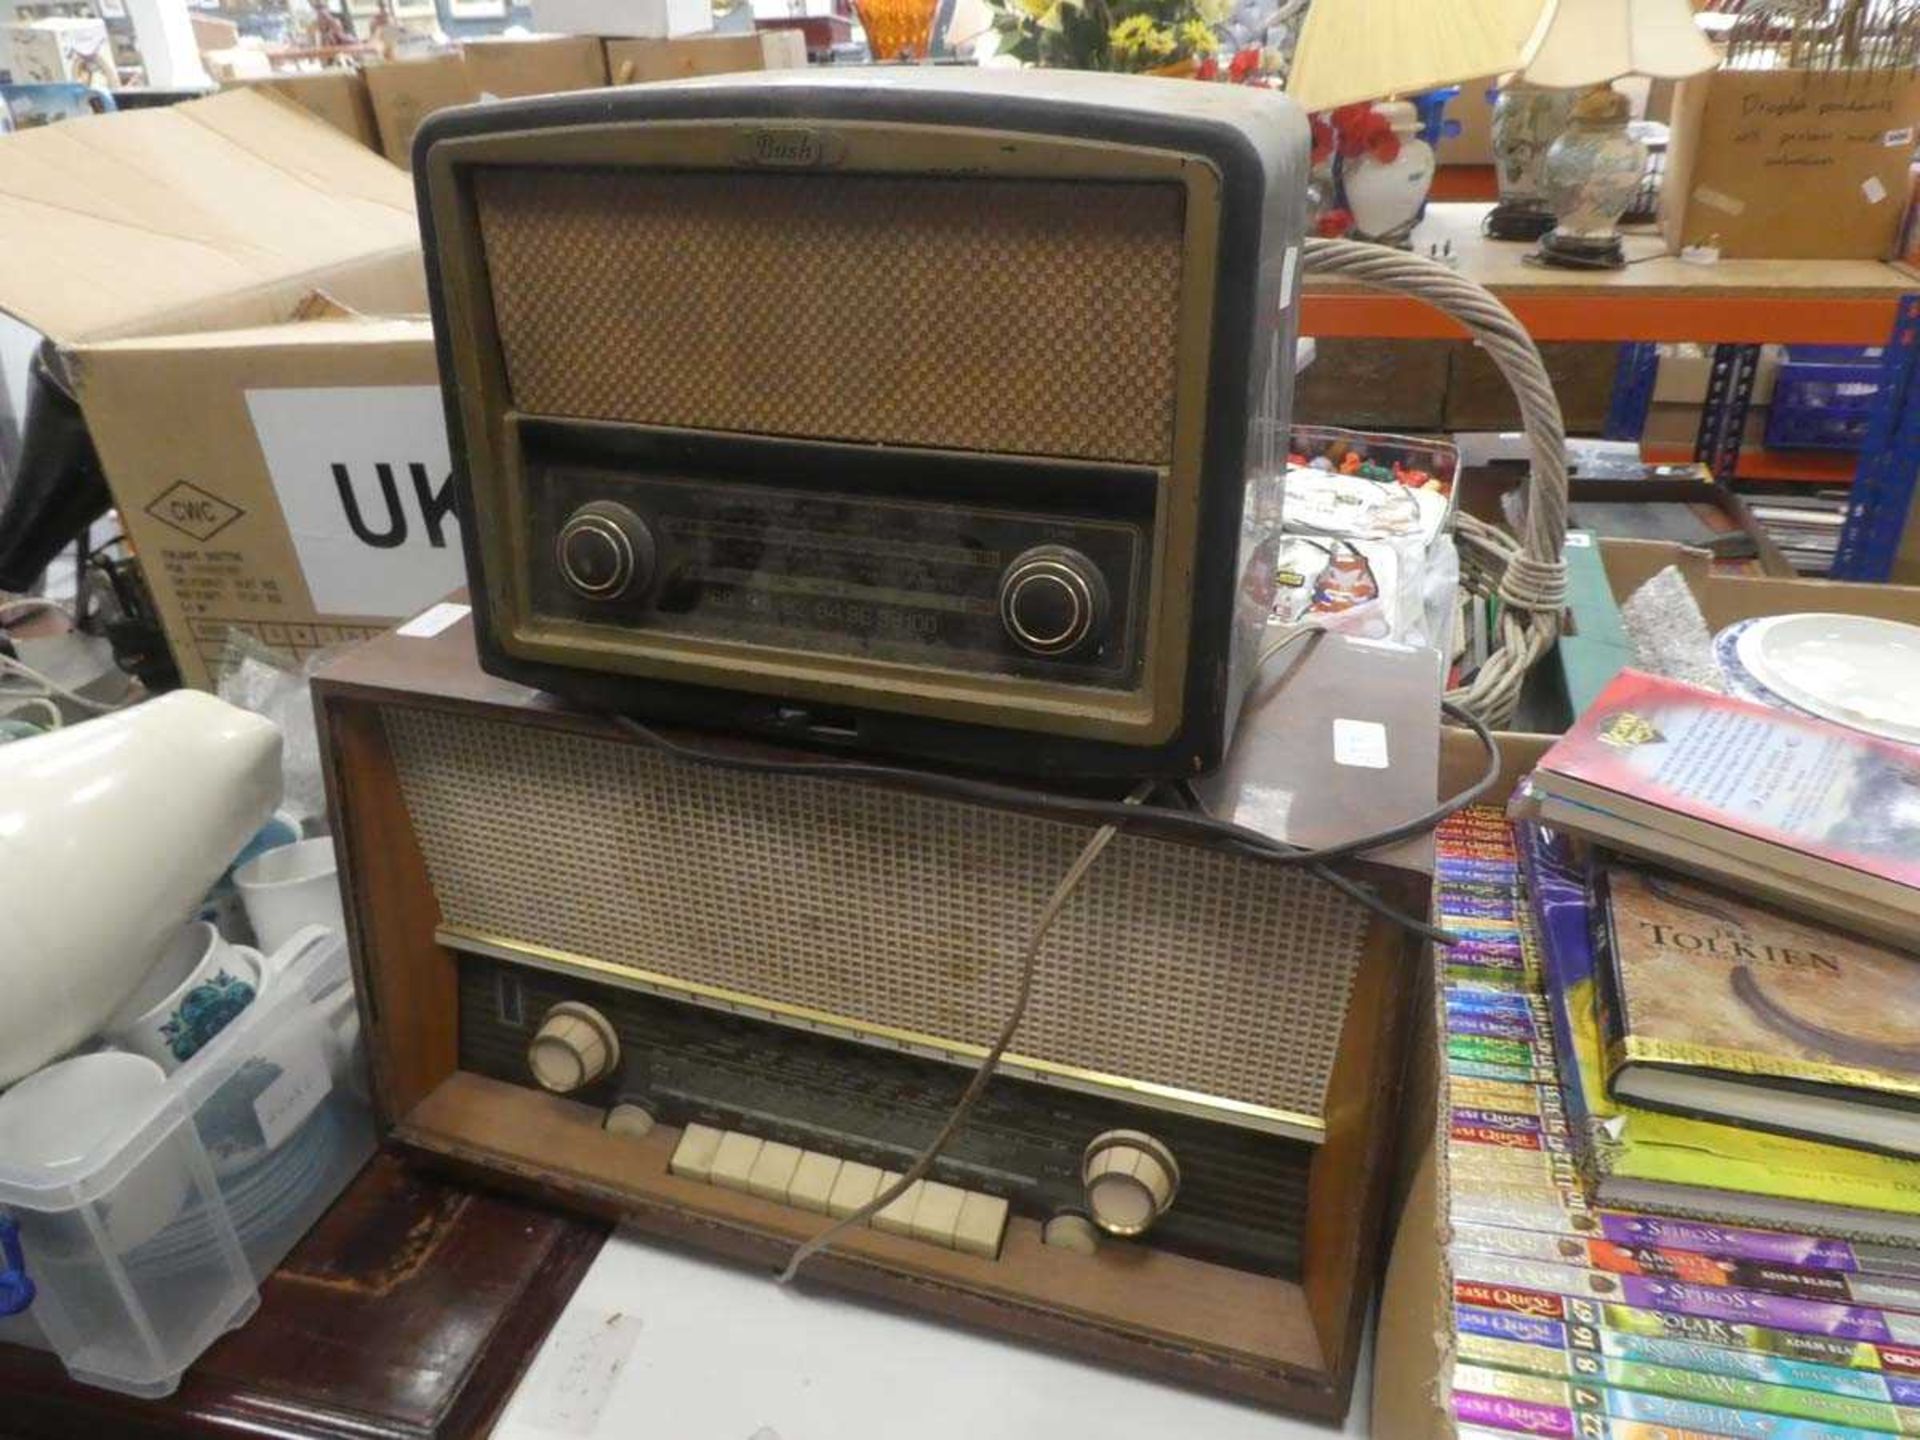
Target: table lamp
[[1356, 51], [1590, 174]]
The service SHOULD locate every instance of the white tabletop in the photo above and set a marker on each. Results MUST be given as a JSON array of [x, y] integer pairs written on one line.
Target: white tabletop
[[659, 1344]]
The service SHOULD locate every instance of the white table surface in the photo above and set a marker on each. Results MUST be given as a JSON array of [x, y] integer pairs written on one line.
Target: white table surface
[[660, 1344]]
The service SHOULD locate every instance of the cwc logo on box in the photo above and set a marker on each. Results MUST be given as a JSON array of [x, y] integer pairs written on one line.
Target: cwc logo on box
[[194, 512]]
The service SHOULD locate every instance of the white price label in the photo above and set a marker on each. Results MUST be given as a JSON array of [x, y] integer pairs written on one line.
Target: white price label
[[1360, 742], [431, 621], [303, 1083]]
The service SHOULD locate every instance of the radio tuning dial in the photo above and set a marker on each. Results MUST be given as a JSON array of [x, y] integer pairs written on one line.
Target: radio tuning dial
[[605, 551], [1053, 600], [575, 1046], [1129, 1179]]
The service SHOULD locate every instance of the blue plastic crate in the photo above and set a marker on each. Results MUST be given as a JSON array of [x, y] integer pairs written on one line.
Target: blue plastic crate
[[1823, 397]]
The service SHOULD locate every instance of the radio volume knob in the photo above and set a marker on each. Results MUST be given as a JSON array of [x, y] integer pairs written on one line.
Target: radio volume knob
[[1053, 600], [605, 551], [575, 1046], [1129, 1179]]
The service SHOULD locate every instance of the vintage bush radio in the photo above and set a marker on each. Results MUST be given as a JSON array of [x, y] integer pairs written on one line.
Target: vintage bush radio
[[905, 410], [729, 1005]]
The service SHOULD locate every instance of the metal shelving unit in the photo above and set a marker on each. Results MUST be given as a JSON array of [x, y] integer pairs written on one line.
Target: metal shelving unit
[[1735, 305]]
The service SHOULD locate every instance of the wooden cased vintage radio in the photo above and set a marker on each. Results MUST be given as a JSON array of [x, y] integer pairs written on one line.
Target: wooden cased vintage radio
[[910, 409], [727, 1005]]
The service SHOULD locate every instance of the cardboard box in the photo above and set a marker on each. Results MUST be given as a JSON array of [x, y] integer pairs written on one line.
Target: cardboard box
[[624, 19], [1413, 1342], [1479, 397], [535, 65], [212, 33], [1413, 1348], [60, 50], [405, 92], [1791, 165], [632, 62], [1685, 368], [1471, 107], [280, 476], [1679, 424], [338, 97], [241, 63]]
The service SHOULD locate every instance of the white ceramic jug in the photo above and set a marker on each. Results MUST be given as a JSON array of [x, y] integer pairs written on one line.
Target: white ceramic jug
[[110, 833]]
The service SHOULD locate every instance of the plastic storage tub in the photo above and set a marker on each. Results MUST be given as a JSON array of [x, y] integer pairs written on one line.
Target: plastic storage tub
[[153, 1244], [1823, 397]]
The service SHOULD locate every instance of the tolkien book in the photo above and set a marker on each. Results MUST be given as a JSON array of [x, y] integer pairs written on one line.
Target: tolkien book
[[1720, 1008], [1641, 1159]]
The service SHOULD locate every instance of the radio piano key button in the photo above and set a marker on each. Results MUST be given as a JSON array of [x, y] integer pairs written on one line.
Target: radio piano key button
[[773, 1171], [605, 551], [982, 1223], [1129, 1179], [733, 1161], [813, 1182], [574, 1047], [693, 1156], [937, 1215], [930, 1211], [1053, 600], [853, 1187], [897, 1218]]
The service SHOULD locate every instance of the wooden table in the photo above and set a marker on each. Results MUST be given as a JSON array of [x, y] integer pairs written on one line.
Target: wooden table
[[1656, 297], [410, 1310]]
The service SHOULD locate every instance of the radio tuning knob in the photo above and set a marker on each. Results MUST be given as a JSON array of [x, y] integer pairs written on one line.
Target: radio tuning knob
[[1129, 1180], [605, 551], [575, 1046], [1053, 600]]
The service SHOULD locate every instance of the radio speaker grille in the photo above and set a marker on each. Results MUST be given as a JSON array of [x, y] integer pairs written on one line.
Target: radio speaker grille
[[1015, 316], [1174, 965]]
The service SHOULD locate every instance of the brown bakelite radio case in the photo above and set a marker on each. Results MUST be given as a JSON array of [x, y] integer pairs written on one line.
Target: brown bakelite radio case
[[911, 410]]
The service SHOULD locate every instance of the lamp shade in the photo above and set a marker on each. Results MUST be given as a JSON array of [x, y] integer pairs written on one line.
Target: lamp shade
[[1352, 50], [1589, 42]]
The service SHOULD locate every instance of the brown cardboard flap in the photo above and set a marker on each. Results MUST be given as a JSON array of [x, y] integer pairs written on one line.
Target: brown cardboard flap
[[1726, 598], [504, 67], [181, 218], [1792, 164]]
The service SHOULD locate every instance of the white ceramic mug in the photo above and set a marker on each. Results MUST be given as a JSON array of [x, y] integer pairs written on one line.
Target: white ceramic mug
[[110, 833], [196, 990], [288, 888], [57, 1120]]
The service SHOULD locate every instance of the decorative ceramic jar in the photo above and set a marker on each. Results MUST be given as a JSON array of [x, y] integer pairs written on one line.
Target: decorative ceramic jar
[[1526, 121], [1590, 176], [1386, 192]]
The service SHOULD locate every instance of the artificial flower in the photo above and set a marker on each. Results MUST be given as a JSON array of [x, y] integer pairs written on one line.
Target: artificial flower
[[1198, 37], [1214, 12], [1245, 62], [1322, 131], [1208, 69], [1332, 224], [1138, 35]]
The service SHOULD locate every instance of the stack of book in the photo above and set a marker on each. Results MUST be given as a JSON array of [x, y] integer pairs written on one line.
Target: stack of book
[[1806, 528], [1681, 1192]]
